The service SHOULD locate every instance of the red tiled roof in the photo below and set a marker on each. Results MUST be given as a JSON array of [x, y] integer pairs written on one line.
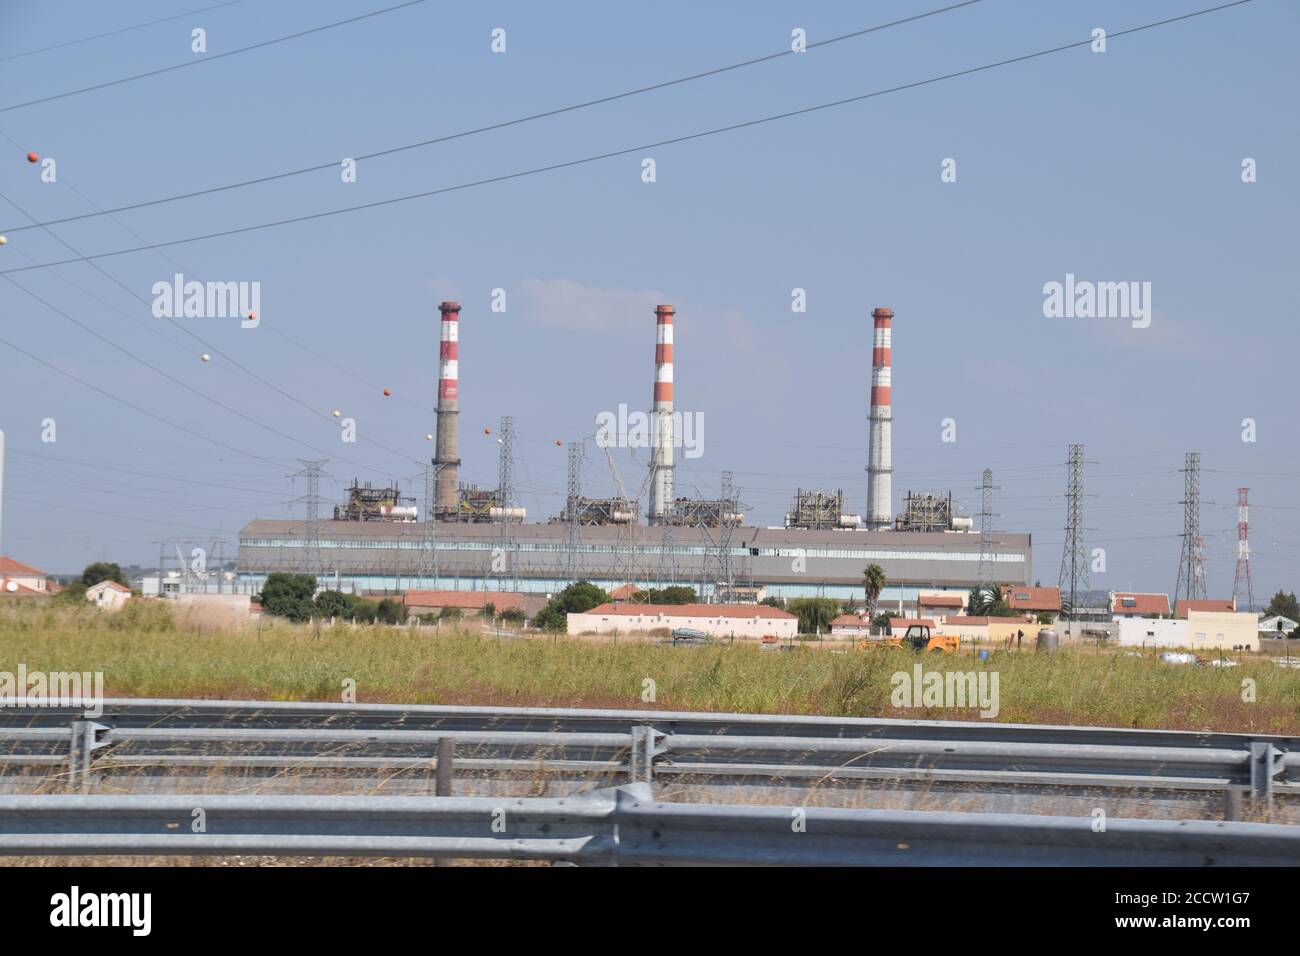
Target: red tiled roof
[[10, 566], [1033, 599], [968, 621], [624, 592], [1143, 604], [1185, 605], [941, 600], [747, 611], [470, 600]]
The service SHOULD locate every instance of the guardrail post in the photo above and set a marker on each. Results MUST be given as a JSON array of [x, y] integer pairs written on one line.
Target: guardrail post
[[446, 766], [1265, 765], [647, 743], [1232, 804], [85, 741]]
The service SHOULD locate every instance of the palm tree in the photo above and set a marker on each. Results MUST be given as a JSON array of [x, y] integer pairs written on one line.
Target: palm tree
[[873, 582], [985, 598]]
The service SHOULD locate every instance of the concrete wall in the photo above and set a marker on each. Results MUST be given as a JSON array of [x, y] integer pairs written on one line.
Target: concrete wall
[[588, 623], [967, 632], [1153, 632]]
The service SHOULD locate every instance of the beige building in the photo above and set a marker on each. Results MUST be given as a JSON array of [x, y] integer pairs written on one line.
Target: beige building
[[715, 620], [1210, 631], [21, 580], [108, 595]]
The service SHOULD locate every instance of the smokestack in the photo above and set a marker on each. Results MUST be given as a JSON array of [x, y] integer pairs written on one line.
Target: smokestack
[[661, 440], [448, 410], [880, 458]]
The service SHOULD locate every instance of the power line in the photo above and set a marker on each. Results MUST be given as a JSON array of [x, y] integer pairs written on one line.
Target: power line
[[208, 58], [119, 31], [333, 164], [506, 177]]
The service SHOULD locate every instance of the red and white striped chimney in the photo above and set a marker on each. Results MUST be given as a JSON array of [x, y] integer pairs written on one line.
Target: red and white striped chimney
[[446, 453], [880, 458], [661, 441]]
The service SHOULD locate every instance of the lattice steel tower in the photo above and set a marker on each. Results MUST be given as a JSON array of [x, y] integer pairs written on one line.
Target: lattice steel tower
[[1074, 559], [506, 497], [572, 540], [1191, 564], [730, 509], [428, 567], [986, 529], [312, 470], [1241, 580]]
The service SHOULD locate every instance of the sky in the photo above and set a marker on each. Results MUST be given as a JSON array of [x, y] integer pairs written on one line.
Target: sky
[[1117, 166]]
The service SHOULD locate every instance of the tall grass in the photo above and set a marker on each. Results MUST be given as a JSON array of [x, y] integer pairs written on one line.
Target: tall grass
[[147, 651]]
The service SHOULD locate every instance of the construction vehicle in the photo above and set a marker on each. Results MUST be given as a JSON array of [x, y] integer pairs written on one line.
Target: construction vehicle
[[917, 638]]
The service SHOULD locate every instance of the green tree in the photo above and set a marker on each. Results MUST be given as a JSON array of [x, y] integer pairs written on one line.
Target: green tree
[[1285, 604], [334, 604], [288, 595], [988, 601], [390, 611], [670, 595], [881, 621], [577, 598], [775, 602], [815, 614], [873, 582], [103, 571]]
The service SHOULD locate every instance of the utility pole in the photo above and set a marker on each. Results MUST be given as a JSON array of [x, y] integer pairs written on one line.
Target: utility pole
[[1191, 563], [1241, 580], [1074, 560]]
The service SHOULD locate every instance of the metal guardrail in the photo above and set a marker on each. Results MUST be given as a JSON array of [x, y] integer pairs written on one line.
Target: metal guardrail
[[162, 735], [622, 826]]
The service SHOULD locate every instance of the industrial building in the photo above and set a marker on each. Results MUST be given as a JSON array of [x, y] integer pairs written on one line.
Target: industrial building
[[478, 539]]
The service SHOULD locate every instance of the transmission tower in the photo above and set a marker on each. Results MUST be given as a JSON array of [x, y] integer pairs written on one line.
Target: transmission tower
[[572, 539], [1191, 564], [1074, 560], [1241, 580], [428, 567], [986, 529], [505, 498], [667, 558], [730, 506], [312, 470]]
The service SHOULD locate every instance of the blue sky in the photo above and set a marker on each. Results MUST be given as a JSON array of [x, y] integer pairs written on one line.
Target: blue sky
[[1122, 166]]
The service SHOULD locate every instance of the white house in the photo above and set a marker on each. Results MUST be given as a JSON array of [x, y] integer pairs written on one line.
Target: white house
[[716, 620], [1276, 626], [108, 595]]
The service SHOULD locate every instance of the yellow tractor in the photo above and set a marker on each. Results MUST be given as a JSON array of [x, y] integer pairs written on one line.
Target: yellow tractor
[[917, 638]]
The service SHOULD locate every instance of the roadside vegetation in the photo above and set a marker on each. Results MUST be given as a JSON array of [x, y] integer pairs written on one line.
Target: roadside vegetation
[[150, 649]]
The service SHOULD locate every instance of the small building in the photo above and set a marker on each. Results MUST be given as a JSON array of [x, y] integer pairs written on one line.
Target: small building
[[108, 595], [1035, 601], [939, 606], [1185, 605], [968, 628], [850, 625], [1211, 631], [1276, 626], [1124, 604], [18, 580], [715, 620]]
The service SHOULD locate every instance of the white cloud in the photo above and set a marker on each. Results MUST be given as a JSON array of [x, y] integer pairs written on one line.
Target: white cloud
[[565, 304]]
